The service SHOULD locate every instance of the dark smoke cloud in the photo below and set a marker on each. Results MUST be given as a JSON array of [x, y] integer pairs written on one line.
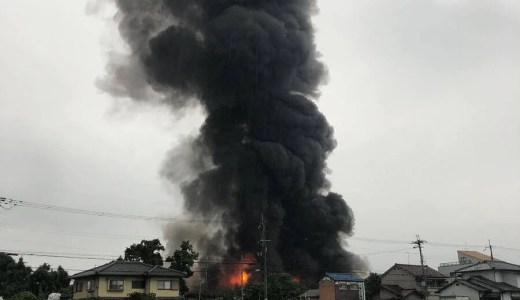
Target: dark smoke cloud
[[253, 67]]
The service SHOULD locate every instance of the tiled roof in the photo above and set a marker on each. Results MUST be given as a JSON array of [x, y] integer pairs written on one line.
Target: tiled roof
[[490, 265], [475, 254], [310, 294], [352, 277], [399, 291], [129, 268], [416, 270], [393, 288], [500, 286], [482, 284]]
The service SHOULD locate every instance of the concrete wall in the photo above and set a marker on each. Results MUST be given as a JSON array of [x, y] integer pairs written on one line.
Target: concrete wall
[[327, 290], [330, 290], [459, 290], [466, 258], [397, 276]]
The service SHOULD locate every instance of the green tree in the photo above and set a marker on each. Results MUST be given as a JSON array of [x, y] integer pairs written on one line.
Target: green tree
[[45, 280], [14, 276], [280, 286], [66, 293], [372, 284], [182, 260], [230, 293], [146, 251], [24, 296]]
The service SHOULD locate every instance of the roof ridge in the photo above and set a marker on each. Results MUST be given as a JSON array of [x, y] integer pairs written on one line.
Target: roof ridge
[[153, 268]]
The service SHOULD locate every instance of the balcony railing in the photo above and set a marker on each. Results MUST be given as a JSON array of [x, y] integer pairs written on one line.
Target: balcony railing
[[455, 263]]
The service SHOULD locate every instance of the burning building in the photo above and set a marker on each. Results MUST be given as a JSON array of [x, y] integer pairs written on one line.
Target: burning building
[[253, 68]]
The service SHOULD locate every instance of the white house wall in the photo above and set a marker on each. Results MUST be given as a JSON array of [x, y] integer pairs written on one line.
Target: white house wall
[[397, 276], [511, 278], [460, 290]]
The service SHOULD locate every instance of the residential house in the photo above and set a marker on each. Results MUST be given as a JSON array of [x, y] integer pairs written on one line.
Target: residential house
[[310, 295], [117, 279], [487, 280], [465, 259], [406, 282], [341, 286]]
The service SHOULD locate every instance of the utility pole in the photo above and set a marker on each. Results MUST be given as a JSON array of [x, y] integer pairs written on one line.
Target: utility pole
[[418, 244], [264, 242], [490, 249], [241, 278], [206, 279]]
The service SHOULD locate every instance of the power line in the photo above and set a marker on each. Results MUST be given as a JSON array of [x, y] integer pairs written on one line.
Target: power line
[[9, 204], [60, 255], [133, 237]]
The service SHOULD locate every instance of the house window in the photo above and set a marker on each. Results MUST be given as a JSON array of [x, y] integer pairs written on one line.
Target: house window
[[164, 285], [353, 287], [342, 286], [78, 286], [115, 285], [90, 285], [138, 284]]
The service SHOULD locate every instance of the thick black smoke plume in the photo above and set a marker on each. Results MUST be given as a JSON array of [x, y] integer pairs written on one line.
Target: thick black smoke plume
[[253, 66]]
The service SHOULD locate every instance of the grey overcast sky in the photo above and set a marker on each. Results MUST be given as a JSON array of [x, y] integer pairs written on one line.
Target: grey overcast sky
[[423, 96]]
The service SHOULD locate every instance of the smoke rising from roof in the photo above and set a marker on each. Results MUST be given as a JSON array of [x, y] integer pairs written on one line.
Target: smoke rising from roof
[[254, 69]]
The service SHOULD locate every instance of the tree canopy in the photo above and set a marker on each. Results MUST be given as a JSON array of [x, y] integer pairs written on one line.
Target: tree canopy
[[280, 286], [183, 260], [372, 284], [14, 276], [18, 281], [146, 251]]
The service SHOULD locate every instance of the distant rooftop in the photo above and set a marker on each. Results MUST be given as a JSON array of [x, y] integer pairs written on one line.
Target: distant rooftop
[[417, 270], [352, 277], [475, 254], [490, 265], [129, 268]]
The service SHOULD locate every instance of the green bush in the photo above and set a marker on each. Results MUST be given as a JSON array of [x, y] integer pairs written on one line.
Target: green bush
[[142, 296], [24, 296]]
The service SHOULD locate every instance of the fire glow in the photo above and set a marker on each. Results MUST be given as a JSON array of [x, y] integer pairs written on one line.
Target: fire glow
[[240, 278]]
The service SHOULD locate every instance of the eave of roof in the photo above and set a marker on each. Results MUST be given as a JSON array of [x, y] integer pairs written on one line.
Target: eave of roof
[[124, 268]]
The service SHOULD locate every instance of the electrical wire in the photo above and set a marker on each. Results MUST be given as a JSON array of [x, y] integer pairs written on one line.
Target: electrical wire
[[9, 204]]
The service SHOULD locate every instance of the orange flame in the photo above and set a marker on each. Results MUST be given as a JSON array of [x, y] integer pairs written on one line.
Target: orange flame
[[238, 279]]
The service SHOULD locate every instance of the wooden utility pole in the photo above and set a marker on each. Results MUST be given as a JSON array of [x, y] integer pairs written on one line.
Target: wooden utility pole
[[264, 242], [418, 244], [490, 249]]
